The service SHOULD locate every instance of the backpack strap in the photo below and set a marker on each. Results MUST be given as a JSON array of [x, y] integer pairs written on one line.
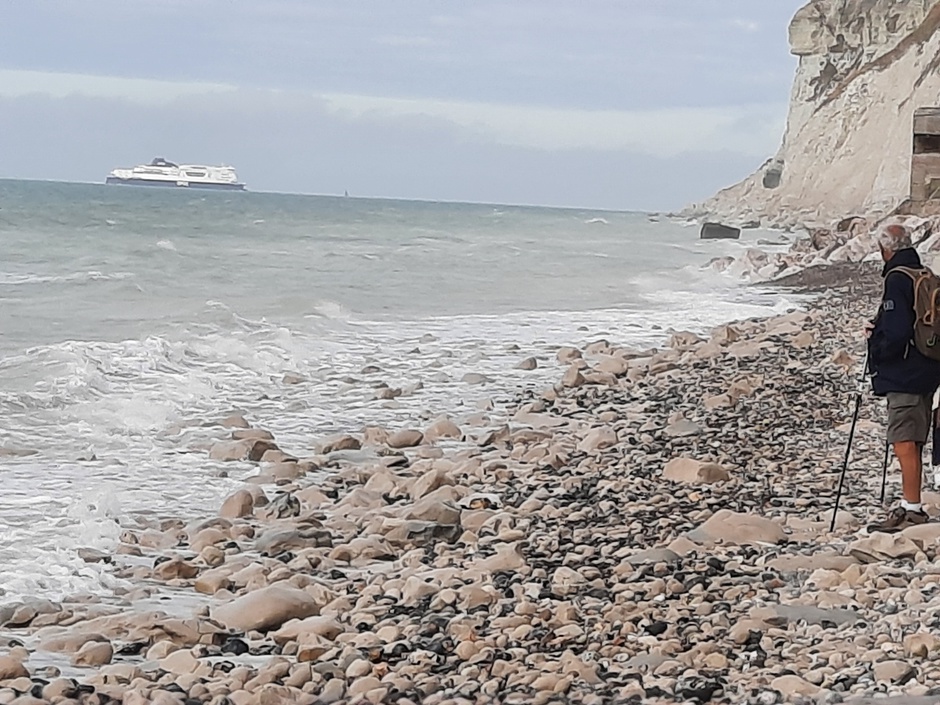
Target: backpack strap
[[914, 273], [917, 275]]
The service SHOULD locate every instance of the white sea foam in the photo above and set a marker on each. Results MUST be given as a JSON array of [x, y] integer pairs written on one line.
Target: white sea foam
[[117, 388], [138, 403], [13, 279], [332, 310]]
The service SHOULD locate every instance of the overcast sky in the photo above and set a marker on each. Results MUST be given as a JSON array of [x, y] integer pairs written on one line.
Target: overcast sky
[[627, 104]]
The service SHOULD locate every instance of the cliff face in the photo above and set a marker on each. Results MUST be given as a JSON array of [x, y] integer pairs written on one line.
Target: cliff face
[[864, 67]]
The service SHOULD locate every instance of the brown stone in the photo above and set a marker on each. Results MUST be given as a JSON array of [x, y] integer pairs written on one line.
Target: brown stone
[[301, 630], [267, 608], [792, 686], [340, 443], [179, 662], [430, 481], [573, 378], [598, 439], [799, 562], [368, 548], [175, 568], [237, 505], [881, 547], [738, 528], [434, 510], [804, 339], [921, 645], [892, 671], [442, 428], [69, 642], [59, 689], [211, 581], [11, 668], [234, 421], [252, 449], [566, 355], [210, 536], [530, 363], [93, 653], [407, 438], [689, 471]]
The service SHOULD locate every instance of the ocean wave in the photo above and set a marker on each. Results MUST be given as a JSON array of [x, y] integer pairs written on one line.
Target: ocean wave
[[126, 415], [140, 413], [332, 310], [11, 279]]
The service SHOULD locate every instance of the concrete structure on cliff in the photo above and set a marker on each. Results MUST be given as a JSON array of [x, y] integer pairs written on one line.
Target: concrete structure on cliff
[[925, 163], [865, 66]]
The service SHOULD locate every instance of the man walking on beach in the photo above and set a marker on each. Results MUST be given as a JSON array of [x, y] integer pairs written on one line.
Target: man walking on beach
[[902, 374]]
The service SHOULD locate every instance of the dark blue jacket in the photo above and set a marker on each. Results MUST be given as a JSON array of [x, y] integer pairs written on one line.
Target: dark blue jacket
[[894, 362]]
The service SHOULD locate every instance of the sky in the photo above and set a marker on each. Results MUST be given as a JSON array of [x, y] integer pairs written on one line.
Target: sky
[[621, 104]]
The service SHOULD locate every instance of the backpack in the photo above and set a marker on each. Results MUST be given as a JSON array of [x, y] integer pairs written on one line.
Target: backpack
[[926, 310]]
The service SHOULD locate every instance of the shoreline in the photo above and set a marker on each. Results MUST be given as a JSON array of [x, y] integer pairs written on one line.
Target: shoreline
[[546, 559]]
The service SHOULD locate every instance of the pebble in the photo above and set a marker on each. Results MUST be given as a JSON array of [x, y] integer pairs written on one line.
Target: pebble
[[544, 560]]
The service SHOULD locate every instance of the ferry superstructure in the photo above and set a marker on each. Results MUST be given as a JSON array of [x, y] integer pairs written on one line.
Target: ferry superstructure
[[161, 172]]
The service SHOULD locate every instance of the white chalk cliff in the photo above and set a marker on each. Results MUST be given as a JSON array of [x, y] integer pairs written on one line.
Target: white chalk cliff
[[864, 67]]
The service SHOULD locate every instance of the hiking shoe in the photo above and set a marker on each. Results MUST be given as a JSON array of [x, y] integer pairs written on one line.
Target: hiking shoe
[[899, 519]]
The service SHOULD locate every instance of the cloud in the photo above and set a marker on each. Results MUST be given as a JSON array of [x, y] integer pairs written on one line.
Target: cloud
[[14, 83], [399, 40], [601, 54], [599, 103], [284, 141], [753, 130], [746, 25]]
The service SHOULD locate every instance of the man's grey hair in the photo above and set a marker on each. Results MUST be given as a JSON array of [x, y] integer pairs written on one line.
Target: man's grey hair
[[894, 237]]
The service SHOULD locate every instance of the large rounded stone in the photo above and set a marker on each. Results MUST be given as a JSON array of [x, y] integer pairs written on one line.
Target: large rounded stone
[[93, 653], [598, 439], [237, 505], [302, 629], [442, 428], [738, 528], [793, 686], [407, 438], [339, 443], [11, 668], [267, 608], [252, 449], [179, 663], [69, 642], [693, 472], [434, 510]]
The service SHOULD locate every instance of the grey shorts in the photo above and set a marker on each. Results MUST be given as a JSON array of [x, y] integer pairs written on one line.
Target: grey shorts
[[909, 417]]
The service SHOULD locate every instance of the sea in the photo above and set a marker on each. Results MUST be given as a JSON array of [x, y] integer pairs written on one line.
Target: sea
[[132, 320]]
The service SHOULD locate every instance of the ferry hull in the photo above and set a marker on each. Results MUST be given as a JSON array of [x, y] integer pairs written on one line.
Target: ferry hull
[[172, 184]]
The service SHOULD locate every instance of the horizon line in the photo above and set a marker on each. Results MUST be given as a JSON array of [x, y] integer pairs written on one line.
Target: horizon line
[[428, 201]]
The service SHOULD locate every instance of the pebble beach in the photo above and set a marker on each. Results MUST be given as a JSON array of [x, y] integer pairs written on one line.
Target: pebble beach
[[654, 527]]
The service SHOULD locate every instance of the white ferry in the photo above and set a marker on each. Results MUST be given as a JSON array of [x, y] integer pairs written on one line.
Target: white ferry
[[160, 172]]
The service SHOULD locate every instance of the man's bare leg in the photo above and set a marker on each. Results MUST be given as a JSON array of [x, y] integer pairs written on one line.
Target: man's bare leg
[[909, 456]]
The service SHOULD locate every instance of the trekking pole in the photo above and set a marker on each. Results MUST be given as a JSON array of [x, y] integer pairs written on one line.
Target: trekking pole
[[848, 447], [884, 473]]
